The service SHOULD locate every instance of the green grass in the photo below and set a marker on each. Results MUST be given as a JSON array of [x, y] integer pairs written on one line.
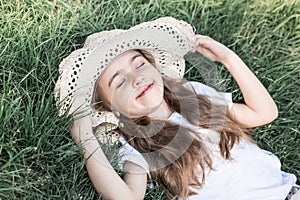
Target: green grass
[[38, 157]]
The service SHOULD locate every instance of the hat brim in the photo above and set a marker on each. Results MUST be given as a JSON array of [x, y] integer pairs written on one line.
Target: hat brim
[[167, 39]]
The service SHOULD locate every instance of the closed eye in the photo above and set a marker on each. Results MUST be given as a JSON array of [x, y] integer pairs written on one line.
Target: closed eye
[[141, 65], [121, 83]]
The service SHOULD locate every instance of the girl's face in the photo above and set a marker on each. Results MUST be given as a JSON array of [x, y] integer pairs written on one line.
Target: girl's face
[[131, 85]]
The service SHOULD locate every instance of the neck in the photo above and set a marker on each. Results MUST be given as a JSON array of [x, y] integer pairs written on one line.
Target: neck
[[162, 112]]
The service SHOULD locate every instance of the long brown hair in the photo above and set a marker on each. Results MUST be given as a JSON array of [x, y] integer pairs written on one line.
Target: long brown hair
[[176, 167]]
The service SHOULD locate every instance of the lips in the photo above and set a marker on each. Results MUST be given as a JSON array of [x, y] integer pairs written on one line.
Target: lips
[[145, 91]]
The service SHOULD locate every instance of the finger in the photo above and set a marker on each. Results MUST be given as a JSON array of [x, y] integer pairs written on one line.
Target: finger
[[201, 42], [203, 37], [199, 45], [200, 36], [193, 48]]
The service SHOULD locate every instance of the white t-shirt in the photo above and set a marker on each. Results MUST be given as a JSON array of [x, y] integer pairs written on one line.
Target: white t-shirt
[[252, 173]]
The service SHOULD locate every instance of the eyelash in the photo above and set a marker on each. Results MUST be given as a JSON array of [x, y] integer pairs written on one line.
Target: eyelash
[[141, 65], [121, 83]]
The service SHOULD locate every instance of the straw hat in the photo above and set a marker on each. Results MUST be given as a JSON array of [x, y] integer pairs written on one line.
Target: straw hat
[[166, 39]]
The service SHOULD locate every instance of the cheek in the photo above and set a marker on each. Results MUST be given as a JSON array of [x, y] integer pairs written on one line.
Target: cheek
[[125, 103], [156, 75], [127, 108], [122, 100]]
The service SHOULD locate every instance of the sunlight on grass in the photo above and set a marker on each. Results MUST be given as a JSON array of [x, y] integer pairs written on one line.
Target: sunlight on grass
[[38, 157]]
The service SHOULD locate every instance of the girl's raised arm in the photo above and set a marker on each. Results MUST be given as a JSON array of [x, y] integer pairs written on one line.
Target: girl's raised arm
[[104, 178], [259, 107]]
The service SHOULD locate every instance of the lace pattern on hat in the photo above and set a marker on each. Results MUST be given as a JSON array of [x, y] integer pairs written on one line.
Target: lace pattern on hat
[[166, 38]]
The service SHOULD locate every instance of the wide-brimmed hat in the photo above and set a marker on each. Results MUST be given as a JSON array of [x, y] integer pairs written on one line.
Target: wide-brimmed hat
[[166, 39]]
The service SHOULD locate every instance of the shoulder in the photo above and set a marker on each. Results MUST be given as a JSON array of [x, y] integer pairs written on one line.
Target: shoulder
[[199, 88], [214, 95]]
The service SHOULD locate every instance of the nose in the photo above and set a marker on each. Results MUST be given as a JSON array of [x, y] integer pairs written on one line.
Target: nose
[[135, 77], [137, 80]]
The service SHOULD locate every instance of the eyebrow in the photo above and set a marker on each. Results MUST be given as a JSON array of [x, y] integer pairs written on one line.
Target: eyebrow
[[117, 73]]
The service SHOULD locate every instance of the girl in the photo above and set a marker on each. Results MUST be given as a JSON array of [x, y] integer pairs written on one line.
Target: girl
[[191, 139]]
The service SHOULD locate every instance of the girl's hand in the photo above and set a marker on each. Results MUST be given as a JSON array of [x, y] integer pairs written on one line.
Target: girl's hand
[[259, 107], [213, 50], [103, 176], [78, 127]]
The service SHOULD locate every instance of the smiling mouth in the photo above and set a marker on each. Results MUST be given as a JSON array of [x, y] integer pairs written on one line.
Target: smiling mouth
[[145, 91]]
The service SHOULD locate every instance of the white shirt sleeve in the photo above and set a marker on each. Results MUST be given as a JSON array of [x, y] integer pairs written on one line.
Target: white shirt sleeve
[[205, 90], [128, 153]]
